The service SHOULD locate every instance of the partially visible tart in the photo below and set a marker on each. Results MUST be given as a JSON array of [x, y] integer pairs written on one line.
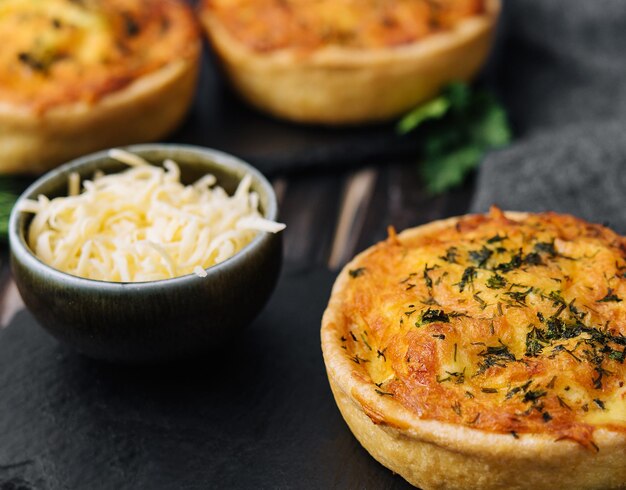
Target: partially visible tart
[[77, 76], [486, 351], [347, 61]]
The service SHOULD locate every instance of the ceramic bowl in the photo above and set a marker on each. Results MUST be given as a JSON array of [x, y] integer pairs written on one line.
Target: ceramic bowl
[[158, 320]]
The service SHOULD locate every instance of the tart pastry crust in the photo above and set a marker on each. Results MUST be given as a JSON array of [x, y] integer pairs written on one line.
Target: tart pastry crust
[[82, 76], [343, 84], [550, 402]]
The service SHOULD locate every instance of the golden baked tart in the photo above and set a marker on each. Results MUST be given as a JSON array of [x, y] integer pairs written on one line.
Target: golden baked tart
[[80, 75], [486, 352], [347, 61]]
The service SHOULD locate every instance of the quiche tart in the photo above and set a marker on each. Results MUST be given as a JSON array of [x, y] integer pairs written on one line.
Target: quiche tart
[[347, 61], [486, 351], [80, 75]]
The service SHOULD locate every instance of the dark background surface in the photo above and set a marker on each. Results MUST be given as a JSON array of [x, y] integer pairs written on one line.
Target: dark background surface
[[219, 119], [259, 414]]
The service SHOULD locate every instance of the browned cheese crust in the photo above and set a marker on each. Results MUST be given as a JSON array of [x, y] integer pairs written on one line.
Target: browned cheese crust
[[81, 75], [491, 335], [347, 61], [270, 25]]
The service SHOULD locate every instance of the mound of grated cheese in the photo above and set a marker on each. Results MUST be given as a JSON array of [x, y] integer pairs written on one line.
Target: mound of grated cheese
[[143, 224]]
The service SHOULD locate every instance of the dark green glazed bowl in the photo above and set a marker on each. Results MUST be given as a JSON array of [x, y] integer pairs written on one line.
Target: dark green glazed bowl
[[158, 320]]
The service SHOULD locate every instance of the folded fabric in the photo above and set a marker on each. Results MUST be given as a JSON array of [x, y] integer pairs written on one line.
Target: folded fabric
[[561, 74], [578, 169]]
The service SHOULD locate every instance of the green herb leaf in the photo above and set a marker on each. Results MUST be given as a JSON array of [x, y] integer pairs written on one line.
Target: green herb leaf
[[496, 281], [354, 273], [433, 316], [10, 189], [458, 128], [498, 355], [610, 297], [445, 170], [434, 109], [480, 257]]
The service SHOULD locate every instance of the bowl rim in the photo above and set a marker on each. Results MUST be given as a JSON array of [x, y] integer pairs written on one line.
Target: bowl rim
[[20, 250]]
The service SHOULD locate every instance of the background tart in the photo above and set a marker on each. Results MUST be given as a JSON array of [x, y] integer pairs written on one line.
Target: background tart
[[486, 352], [77, 76], [343, 61]]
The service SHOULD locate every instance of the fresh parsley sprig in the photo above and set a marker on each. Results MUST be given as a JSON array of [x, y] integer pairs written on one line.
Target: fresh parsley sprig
[[458, 127], [10, 189]]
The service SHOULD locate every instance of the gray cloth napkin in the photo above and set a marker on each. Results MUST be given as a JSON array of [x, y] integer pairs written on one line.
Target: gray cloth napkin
[[562, 74]]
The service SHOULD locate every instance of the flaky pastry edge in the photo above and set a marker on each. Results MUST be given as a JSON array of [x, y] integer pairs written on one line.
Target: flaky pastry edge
[[337, 85], [432, 454]]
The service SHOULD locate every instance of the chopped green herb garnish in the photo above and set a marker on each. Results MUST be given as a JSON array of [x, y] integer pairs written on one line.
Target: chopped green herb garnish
[[458, 314], [364, 339], [535, 342], [457, 377], [514, 263], [433, 316], [383, 393], [497, 239], [480, 257], [498, 355], [534, 396], [456, 406], [517, 389], [496, 281], [519, 297], [480, 301], [408, 278], [354, 273], [562, 403], [427, 279], [556, 298], [576, 313], [467, 279], [533, 258], [545, 247], [358, 360], [451, 255], [617, 355], [610, 297]]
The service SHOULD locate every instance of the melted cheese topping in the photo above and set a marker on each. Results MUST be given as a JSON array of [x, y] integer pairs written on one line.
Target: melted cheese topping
[[143, 224], [268, 25], [499, 324], [65, 51]]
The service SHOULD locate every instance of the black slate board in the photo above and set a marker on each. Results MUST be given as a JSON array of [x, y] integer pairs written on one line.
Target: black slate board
[[220, 119], [259, 414]]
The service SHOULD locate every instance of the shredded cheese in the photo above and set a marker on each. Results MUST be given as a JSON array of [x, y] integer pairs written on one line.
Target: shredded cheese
[[143, 224]]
